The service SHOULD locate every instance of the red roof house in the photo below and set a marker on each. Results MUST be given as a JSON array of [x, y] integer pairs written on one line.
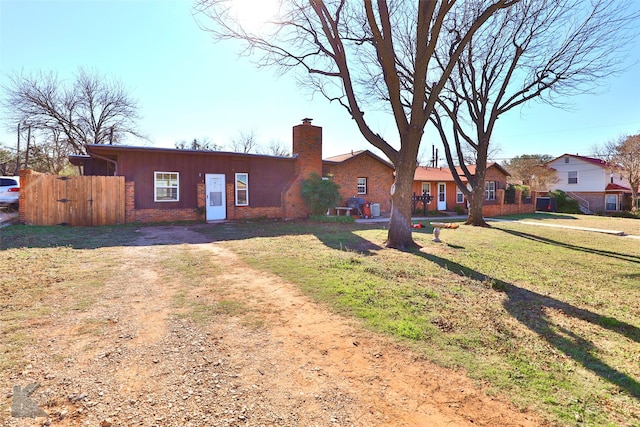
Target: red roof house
[[439, 183], [597, 185]]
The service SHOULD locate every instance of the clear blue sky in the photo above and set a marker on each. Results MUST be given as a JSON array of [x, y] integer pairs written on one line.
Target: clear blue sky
[[189, 87]]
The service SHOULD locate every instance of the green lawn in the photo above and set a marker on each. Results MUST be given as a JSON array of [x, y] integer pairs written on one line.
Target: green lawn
[[547, 316]]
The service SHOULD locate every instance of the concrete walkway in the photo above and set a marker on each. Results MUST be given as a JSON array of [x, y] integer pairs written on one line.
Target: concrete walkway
[[416, 218], [464, 217], [570, 227]]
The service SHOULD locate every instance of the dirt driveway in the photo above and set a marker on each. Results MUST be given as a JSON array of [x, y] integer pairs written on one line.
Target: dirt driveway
[[284, 361]]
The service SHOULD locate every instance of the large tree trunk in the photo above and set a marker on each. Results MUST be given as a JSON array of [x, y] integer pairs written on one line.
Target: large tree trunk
[[475, 216], [399, 236]]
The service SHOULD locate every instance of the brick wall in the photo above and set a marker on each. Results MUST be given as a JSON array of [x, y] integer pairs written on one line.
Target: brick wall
[[307, 149], [130, 201], [164, 215], [499, 208], [22, 203], [379, 179], [596, 200], [494, 174]]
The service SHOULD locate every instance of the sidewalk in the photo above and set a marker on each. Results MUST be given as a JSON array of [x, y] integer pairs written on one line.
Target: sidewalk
[[569, 227], [463, 217], [414, 218]]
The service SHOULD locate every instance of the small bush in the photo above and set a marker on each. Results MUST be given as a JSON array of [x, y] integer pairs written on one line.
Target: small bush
[[319, 194], [564, 204], [458, 209]]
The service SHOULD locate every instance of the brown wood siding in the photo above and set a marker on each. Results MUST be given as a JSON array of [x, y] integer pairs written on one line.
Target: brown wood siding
[[267, 180], [97, 167], [267, 176], [76, 200]]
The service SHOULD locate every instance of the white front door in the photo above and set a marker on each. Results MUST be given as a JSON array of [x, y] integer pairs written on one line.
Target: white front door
[[216, 197], [442, 196]]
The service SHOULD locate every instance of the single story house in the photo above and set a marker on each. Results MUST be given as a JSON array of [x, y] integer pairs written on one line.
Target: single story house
[[439, 183], [163, 184], [361, 174], [597, 185]]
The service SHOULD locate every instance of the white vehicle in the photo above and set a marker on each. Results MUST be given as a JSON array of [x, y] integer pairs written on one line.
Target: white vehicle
[[9, 191]]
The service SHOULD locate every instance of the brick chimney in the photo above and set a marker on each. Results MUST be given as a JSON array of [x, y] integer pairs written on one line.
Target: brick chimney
[[307, 148]]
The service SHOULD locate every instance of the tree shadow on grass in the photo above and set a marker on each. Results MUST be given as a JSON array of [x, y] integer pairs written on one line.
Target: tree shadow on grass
[[338, 236], [530, 309], [348, 241], [610, 254]]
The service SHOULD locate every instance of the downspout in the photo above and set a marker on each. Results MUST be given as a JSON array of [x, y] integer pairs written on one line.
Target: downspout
[[115, 163]]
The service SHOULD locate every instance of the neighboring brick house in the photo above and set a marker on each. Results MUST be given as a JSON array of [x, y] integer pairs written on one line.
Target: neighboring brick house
[[361, 174], [163, 184], [439, 183], [596, 184]]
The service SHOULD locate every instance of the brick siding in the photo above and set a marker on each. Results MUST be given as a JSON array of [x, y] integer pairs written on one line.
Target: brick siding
[[379, 179]]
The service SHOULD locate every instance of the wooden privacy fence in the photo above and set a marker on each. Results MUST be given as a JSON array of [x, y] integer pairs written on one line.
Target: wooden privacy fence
[[72, 200]]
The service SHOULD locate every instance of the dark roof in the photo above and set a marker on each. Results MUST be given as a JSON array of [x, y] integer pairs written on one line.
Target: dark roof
[[105, 148], [599, 162], [78, 159], [346, 157], [617, 187]]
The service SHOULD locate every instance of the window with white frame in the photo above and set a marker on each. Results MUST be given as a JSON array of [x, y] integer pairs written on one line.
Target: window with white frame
[[459, 196], [166, 187], [242, 189], [426, 188], [611, 201], [573, 177], [362, 185], [490, 190]]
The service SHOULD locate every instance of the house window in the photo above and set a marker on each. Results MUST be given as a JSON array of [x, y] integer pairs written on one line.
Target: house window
[[490, 190], [573, 177], [566, 160], [611, 201], [362, 185], [426, 188], [166, 187], [459, 196], [242, 189]]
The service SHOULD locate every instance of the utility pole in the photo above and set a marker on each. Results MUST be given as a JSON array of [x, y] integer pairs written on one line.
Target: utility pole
[[18, 152], [26, 154]]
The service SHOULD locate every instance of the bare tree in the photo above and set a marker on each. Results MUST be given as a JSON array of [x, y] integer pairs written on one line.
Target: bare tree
[[626, 153], [89, 110], [50, 154], [531, 170], [7, 161], [277, 148], [537, 49], [367, 55], [204, 144], [245, 142]]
